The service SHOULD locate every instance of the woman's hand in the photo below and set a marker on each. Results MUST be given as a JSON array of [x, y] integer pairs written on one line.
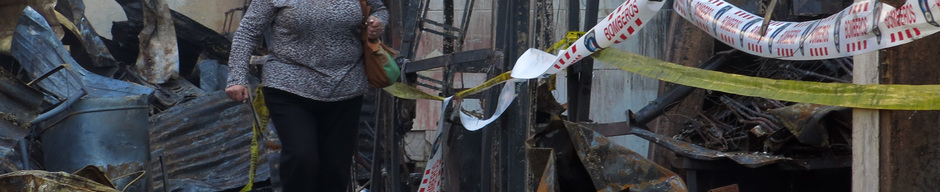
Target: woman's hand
[[375, 27], [237, 92]]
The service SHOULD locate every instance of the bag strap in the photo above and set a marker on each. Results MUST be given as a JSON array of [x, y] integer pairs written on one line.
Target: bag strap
[[365, 10]]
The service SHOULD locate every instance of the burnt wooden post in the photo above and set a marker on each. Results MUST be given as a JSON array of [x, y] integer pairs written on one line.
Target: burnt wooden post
[[580, 75], [909, 140], [512, 36]]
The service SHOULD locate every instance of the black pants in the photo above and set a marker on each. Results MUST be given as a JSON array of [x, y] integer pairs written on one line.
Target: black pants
[[318, 140]]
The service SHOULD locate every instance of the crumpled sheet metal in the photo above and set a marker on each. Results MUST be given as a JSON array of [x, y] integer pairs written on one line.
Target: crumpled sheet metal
[[44, 181], [39, 52], [810, 123], [158, 60], [204, 143], [94, 47], [544, 160], [615, 168], [752, 160]]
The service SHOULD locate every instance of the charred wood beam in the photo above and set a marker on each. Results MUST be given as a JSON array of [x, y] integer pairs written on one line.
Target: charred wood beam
[[512, 27], [674, 95], [686, 149], [581, 74]]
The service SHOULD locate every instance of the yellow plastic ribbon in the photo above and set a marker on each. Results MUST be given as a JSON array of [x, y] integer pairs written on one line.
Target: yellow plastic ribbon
[[408, 92], [880, 96], [261, 118]]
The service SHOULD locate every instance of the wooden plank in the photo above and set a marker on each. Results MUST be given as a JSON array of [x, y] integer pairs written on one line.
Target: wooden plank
[[910, 140], [865, 132], [685, 47]]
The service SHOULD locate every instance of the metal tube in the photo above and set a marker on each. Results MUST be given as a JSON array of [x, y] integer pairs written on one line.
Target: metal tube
[[25, 154], [59, 108]]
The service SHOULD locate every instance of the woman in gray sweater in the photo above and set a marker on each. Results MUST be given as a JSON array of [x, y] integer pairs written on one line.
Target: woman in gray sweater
[[313, 83]]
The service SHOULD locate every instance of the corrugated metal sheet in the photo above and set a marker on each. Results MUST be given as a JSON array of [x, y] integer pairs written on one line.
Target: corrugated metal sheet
[[204, 143]]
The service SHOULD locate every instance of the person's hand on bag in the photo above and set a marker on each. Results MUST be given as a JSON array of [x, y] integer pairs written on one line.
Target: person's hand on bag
[[375, 28], [237, 92]]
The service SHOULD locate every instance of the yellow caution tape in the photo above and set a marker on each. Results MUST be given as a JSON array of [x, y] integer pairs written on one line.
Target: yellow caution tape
[[260, 118], [486, 85], [879, 96], [408, 92]]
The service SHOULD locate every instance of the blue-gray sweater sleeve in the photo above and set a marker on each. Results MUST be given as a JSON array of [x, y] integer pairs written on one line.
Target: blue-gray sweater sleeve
[[379, 11], [250, 31]]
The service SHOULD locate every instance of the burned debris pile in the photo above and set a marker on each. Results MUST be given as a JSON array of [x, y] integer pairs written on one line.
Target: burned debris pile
[[736, 123], [147, 117]]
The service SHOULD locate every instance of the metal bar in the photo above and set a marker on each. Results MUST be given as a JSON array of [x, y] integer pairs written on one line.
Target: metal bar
[[468, 13], [429, 86], [420, 24], [44, 76], [574, 72], [166, 180], [473, 58], [586, 76], [443, 34], [60, 107], [449, 26], [409, 28], [376, 154], [512, 32], [443, 25], [25, 154], [426, 78], [392, 144]]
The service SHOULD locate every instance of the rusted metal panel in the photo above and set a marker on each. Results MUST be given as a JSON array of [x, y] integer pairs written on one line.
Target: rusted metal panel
[[910, 140], [204, 145], [544, 176], [108, 132], [812, 124]]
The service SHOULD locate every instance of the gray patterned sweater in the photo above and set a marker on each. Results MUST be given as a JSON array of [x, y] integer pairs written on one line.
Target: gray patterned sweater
[[315, 47]]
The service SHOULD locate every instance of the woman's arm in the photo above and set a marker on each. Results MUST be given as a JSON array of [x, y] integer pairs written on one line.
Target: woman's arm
[[380, 13], [250, 31]]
